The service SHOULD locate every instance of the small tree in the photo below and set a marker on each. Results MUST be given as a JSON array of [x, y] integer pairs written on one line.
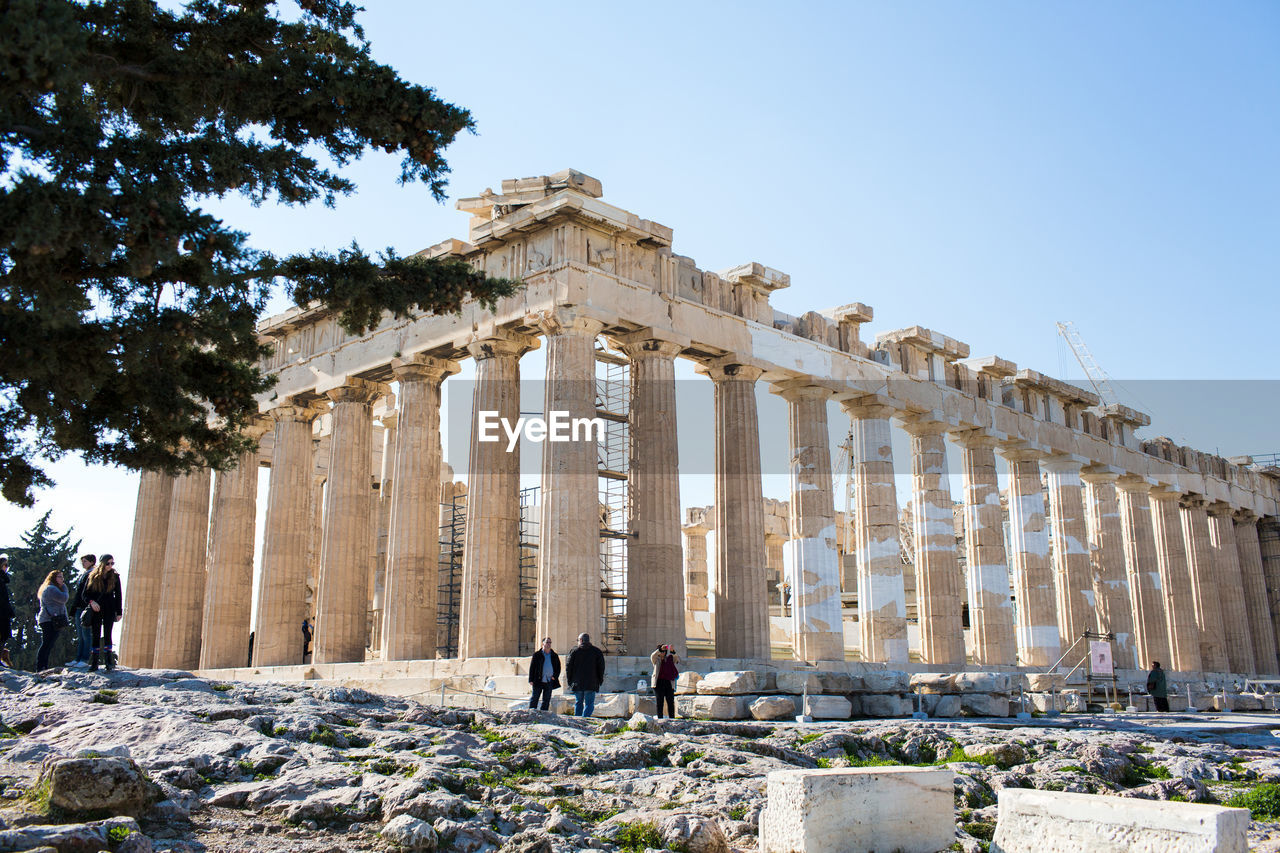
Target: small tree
[[43, 550]]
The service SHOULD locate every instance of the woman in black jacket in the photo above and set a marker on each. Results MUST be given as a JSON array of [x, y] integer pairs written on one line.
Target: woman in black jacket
[[106, 603], [544, 674]]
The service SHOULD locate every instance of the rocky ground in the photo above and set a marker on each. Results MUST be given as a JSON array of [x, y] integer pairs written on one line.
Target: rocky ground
[[185, 764]]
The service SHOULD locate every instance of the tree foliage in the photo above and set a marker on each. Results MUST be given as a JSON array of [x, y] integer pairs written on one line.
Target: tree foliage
[[127, 312], [43, 550]]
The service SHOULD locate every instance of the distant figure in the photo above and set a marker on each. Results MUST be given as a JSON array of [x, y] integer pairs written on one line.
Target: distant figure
[[544, 674], [80, 610], [1158, 687], [52, 618], [306, 639], [665, 674], [585, 673], [250, 661], [6, 611], [106, 600]]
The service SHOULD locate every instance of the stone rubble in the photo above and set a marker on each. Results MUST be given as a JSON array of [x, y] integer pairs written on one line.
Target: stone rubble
[[184, 764]]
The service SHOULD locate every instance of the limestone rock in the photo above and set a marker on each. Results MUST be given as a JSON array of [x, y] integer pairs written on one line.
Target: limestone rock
[[68, 836], [798, 682], [774, 707], [693, 833], [1043, 682], [1001, 753], [933, 682], [984, 705], [713, 707], [611, 706], [839, 682], [687, 683], [942, 706], [738, 683], [80, 785], [884, 705], [828, 708], [885, 681], [409, 833], [983, 682]]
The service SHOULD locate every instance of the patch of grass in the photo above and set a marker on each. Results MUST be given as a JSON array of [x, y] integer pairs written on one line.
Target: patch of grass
[[1178, 798], [637, 836], [582, 813], [279, 731], [689, 757], [1262, 801], [671, 804], [824, 763], [809, 738], [1072, 768], [980, 829], [1139, 773], [873, 761], [324, 736], [738, 812], [38, 797], [222, 688], [117, 834], [485, 733], [358, 741], [46, 704], [245, 766], [106, 696], [385, 766], [1144, 748]]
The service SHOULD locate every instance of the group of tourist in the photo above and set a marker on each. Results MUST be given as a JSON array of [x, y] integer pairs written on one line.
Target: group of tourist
[[96, 605], [584, 672]]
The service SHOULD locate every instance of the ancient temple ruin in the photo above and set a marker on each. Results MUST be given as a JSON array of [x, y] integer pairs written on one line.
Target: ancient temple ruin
[[1174, 552]]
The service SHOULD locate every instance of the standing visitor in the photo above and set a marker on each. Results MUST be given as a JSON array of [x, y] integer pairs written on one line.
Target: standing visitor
[[665, 674], [80, 610], [306, 638], [107, 603], [585, 673], [52, 618], [6, 611], [1158, 687], [544, 674]]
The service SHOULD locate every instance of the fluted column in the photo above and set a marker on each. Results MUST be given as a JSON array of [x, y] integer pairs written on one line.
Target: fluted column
[[1033, 587], [1072, 574], [1261, 629], [1114, 607], [990, 609], [413, 531], [1175, 581], [182, 588], [228, 595], [282, 584], [696, 586], [146, 569], [1203, 573], [938, 580], [342, 594], [655, 585], [1229, 587], [569, 531], [810, 554], [741, 617], [1142, 567], [1269, 553], [882, 598], [489, 624]]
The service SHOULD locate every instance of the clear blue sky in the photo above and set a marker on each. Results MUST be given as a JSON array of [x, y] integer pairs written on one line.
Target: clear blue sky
[[983, 169]]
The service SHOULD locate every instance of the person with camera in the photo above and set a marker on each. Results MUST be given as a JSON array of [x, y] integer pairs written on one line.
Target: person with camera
[[52, 617]]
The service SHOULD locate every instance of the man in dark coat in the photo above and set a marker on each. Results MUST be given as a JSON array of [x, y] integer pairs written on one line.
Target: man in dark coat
[[544, 674], [585, 673], [6, 609], [1158, 687]]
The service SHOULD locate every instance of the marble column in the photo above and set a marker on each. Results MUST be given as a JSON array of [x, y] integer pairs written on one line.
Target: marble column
[[938, 579], [882, 598], [1142, 567], [489, 624], [1203, 572], [182, 588], [1229, 589], [569, 532], [655, 583], [1033, 587], [1072, 574], [146, 570], [413, 531], [1261, 628], [1114, 607], [990, 609], [228, 595], [1175, 581], [741, 611], [342, 594], [810, 556], [282, 584], [696, 586]]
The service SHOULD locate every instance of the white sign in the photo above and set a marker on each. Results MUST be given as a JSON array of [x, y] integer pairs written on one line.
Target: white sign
[[1100, 662]]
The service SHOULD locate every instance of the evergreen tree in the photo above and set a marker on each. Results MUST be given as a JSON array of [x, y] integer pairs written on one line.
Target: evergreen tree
[[43, 550], [127, 313]]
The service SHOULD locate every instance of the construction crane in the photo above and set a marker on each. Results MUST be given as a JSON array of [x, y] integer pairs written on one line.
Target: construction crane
[[1097, 376]]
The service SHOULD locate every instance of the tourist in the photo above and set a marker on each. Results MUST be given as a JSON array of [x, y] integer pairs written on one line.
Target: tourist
[[107, 603], [6, 611], [52, 616], [1158, 687], [665, 674], [544, 674], [585, 673], [80, 610], [306, 638]]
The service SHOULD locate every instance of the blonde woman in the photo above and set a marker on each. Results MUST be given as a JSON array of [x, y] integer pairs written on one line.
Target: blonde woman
[[106, 604], [52, 617]]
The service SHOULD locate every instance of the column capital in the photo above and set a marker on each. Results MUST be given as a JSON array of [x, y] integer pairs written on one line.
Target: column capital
[[293, 409], [862, 405], [1063, 463], [798, 389], [1220, 508], [1245, 516], [1193, 501], [423, 367], [1020, 451], [1099, 474], [649, 341], [1133, 483], [1162, 492], [356, 390], [975, 438], [566, 321], [257, 427], [727, 367], [932, 422], [502, 342]]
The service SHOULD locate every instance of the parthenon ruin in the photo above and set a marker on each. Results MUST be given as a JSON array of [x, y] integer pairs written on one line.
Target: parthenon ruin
[[1174, 552]]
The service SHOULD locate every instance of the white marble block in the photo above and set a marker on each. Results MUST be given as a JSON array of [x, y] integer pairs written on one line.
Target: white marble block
[[729, 683], [860, 808], [1033, 821]]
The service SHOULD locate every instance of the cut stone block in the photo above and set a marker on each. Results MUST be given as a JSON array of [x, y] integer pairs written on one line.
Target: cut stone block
[[984, 705], [942, 706], [832, 811], [1033, 821], [738, 683], [827, 708], [933, 682], [885, 681], [773, 708], [609, 705], [885, 705], [984, 682], [713, 707], [510, 685], [641, 704], [839, 682], [798, 682], [1043, 682], [687, 683]]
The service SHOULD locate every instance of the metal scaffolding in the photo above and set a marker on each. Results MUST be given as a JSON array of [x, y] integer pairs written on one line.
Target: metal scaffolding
[[529, 523], [613, 404]]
